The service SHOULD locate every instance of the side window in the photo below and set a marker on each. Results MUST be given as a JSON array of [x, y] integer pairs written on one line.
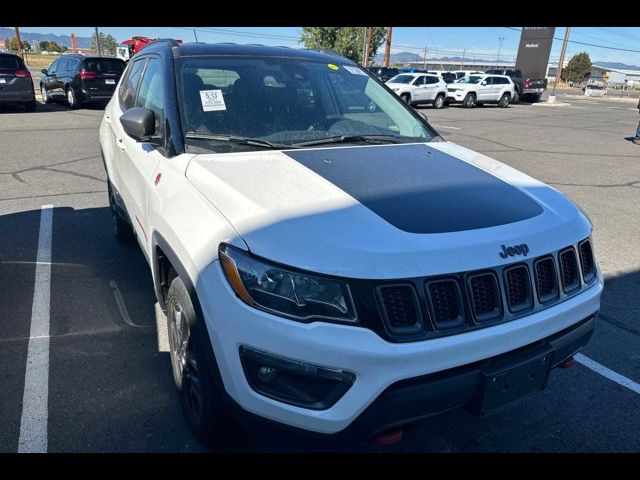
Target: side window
[[73, 64], [432, 80], [127, 93], [62, 65], [54, 67], [418, 81], [151, 92]]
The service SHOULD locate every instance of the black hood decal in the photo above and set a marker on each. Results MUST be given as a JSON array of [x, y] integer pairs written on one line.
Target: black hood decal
[[419, 189]]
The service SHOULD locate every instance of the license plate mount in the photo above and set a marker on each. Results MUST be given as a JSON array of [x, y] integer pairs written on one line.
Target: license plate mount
[[506, 385]]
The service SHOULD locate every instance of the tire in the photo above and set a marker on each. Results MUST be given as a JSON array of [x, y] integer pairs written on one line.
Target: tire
[[535, 97], [504, 100], [122, 230], [72, 98], [406, 98], [30, 106], [469, 100], [438, 103], [45, 96], [190, 347]]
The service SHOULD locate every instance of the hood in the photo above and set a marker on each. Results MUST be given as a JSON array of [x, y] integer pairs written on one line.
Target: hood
[[384, 211], [462, 86]]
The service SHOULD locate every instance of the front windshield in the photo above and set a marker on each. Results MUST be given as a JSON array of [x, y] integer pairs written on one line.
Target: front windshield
[[470, 79], [403, 78], [280, 102]]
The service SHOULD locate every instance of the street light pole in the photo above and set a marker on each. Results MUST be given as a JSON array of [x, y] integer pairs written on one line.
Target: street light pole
[[98, 47], [500, 39]]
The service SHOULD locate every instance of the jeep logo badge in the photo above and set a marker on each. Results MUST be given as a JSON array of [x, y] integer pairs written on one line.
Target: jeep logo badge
[[521, 249]]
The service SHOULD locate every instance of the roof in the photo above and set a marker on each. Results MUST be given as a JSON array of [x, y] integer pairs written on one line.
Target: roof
[[619, 70], [197, 49]]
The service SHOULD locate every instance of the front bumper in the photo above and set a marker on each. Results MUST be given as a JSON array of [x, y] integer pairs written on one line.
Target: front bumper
[[378, 365], [456, 97]]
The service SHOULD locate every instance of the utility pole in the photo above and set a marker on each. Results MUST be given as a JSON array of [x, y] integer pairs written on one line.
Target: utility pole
[[462, 63], [387, 51], [98, 47], [19, 43], [424, 58], [195, 34], [567, 32], [367, 50], [500, 40], [364, 44]]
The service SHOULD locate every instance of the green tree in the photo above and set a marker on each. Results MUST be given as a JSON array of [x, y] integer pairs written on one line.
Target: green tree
[[578, 69], [345, 41], [12, 44], [26, 46], [108, 43], [44, 45]]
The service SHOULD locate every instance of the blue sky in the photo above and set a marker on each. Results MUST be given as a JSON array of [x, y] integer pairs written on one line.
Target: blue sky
[[440, 41]]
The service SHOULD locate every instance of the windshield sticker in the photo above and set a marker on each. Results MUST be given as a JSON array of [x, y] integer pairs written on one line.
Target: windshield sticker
[[332, 66], [354, 70], [212, 100]]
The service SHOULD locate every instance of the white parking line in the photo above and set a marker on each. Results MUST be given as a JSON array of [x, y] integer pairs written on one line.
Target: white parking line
[[605, 372], [446, 126], [35, 400]]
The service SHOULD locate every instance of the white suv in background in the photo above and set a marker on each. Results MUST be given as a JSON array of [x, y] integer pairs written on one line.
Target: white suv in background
[[417, 88], [475, 90]]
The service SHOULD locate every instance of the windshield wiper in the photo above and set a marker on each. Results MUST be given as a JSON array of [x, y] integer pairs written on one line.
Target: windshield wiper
[[350, 138], [257, 142]]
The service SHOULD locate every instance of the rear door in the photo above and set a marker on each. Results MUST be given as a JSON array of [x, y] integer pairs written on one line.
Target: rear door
[[15, 79], [99, 76]]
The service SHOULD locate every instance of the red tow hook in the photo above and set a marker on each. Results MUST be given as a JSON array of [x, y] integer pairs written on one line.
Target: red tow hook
[[389, 437], [568, 363]]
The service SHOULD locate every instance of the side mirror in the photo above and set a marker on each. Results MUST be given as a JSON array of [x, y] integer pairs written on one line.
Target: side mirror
[[44, 71], [484, 82], [139, 124]]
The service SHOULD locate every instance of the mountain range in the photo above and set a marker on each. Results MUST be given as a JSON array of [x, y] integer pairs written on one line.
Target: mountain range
[[32, 38], [404, 57]]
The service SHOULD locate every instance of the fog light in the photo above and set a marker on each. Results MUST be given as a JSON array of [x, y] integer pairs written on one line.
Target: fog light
[[294, 382], [267, 374]]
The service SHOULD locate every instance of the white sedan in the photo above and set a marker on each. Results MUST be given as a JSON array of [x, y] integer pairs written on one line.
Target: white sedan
[[418, 88], [475, 90]]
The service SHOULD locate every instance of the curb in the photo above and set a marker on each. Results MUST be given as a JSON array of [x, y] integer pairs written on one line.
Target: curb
[[613, 99]]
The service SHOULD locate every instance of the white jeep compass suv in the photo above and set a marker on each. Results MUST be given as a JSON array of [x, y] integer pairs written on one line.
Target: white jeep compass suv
[[419, 88], [326, 261]]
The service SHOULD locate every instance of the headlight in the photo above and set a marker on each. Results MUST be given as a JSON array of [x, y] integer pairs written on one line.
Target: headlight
[[279, 290]]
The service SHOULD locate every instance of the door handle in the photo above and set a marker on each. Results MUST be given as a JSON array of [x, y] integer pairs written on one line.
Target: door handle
[[120, 142], [107, 118]]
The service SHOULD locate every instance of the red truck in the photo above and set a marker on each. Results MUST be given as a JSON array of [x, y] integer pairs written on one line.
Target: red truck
[[130, 47]]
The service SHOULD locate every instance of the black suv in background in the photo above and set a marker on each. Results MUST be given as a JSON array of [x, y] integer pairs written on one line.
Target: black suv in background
[[16, 85], [529, 89], [384, 73], [79, 79]]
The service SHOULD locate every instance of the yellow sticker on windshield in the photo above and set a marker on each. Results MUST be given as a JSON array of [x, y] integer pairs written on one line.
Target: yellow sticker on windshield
[[332, 66]]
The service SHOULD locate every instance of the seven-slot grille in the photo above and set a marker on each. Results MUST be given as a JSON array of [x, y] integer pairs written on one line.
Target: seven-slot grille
[[569, 270], [546, 279], [400, 306], [450, 300], [586, 261], [485, 296], [518, 288], [446, 302]]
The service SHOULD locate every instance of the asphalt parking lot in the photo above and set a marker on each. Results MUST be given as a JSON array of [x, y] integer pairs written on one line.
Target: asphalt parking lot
[[110, 387]]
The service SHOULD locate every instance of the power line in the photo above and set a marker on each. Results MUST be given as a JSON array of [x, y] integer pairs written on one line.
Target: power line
[[587, 44]]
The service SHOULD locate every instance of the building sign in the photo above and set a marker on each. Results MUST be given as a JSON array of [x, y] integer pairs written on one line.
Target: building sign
[[534, 51]]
